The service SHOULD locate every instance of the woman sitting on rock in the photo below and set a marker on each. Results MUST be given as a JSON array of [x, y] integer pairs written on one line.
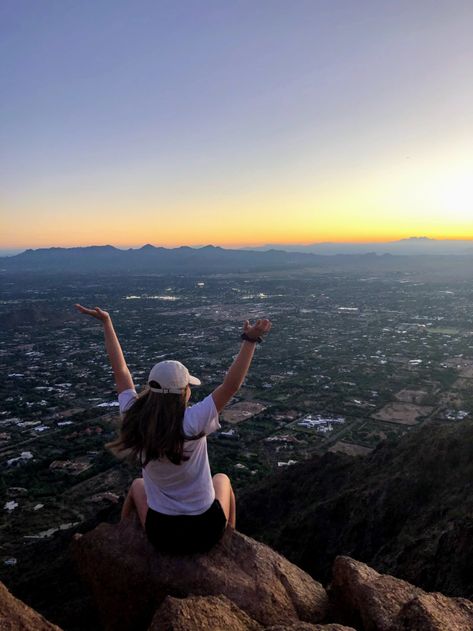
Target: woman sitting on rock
[[182, 508]]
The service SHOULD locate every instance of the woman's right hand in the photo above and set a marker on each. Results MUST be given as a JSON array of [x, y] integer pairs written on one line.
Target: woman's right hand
[[96, 313]]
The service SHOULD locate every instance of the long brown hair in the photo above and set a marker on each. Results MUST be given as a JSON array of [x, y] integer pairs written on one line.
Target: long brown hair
[[153, 428]]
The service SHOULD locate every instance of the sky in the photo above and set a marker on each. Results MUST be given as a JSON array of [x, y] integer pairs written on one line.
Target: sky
[[234, 122]]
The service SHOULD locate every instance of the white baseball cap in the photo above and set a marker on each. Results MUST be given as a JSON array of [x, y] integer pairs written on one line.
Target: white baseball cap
[[172, 376]]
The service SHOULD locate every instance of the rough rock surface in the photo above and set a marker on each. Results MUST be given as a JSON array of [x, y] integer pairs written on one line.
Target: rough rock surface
[[215, 613], [16, 616], [201, 613], [435, 612], [376, 602], [129, 579], [363, 597], [307, 626]]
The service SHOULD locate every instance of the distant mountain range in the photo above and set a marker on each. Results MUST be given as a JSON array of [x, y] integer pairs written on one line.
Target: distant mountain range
[[151, 259], [212, 259], [411, 246]]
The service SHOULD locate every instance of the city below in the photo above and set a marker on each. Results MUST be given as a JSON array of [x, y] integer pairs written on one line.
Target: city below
[[352, 359]]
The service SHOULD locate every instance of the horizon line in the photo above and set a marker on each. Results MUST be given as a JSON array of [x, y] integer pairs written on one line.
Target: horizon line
[[20, 249]]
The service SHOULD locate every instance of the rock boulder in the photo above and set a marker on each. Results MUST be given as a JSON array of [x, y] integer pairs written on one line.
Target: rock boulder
[[15, 615], [435, 612], [201, 613], [215, 613], [363, 597], [129, 579], [375, 602]]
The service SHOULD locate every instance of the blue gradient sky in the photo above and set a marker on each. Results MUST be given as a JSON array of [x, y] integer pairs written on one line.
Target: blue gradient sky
[[234, 122]]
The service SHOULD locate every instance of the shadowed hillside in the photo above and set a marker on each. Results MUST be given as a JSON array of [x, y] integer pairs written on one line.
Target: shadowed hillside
[[407, 509]]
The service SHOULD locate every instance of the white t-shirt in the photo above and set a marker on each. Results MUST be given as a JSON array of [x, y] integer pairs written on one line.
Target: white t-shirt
[[184, 489]]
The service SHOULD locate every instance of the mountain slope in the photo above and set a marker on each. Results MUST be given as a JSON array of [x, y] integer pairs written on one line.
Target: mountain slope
[[150, 259], [406, 509]]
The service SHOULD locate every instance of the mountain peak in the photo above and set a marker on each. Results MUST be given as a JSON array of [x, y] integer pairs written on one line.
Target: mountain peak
[[211, 248], [147, 247]]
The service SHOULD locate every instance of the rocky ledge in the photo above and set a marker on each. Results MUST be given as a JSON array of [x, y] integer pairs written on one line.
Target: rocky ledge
[[240, 585], [130, 580]]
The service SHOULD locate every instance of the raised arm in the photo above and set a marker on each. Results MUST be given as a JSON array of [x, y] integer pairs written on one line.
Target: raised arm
[[238, 370], [122, 375]]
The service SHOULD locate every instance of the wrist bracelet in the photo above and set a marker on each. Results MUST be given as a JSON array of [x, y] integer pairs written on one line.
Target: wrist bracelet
[[254, 340]]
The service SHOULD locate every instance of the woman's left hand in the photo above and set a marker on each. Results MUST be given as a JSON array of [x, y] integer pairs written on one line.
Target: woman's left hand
[[261, 327], [96, 313]]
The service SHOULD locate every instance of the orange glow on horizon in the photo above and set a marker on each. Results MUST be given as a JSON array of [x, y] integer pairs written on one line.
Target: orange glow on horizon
[[232, 244], [388, 202]]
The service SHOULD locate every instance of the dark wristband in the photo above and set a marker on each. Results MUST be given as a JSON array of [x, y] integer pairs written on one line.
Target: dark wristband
[[254, 340]]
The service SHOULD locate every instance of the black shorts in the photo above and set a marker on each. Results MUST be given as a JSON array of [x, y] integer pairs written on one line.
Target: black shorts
[[186, 534]]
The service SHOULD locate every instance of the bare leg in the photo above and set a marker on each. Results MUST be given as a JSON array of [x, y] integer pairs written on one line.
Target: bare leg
[[232, 516], [136, 500], [225, 495]]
